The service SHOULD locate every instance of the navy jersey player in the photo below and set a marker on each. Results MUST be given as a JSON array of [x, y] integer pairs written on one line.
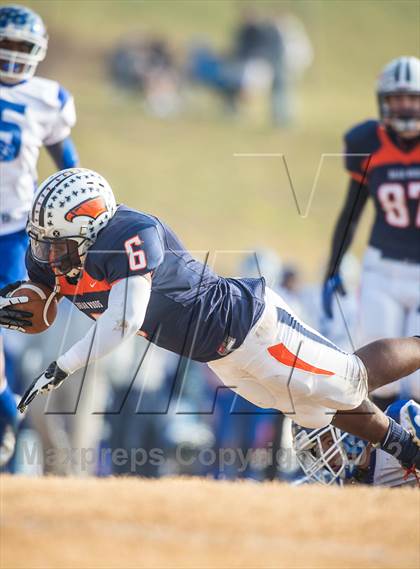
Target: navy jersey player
[[34, 112], [383, 161], [129, 272]]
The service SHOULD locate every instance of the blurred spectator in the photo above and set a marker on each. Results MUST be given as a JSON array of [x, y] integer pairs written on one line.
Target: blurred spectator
[[259, 46], [239, 424], [262, 263], [136, 413], [147, 66], [291, 289], [62, 422], [297, 57], [281, 45], [220, 73]]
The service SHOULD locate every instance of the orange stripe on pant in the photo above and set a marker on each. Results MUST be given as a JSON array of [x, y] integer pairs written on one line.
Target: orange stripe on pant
[[284, 356]]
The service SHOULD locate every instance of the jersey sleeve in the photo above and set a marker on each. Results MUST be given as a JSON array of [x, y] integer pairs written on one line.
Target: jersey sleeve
[[37, 273], [63, 118], [136, 251], [359, 144]]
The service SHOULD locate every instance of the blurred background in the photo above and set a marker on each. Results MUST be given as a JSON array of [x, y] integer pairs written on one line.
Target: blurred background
[[168, 94]]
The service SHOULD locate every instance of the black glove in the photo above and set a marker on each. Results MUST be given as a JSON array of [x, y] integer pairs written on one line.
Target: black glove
[[10, 316], [52, 378]]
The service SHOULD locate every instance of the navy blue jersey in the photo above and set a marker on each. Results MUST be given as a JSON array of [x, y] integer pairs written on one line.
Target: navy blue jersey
[[391, 175], [192, 311]]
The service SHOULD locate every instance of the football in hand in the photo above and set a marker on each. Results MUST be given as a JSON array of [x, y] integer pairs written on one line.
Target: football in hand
[[42, 304]]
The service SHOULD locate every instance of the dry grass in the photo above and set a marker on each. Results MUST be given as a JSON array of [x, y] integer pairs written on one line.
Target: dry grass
[[90, 523]]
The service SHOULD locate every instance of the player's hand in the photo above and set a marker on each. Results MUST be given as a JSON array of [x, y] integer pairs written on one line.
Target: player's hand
[[52, 378], [332, 286], [10, 315]]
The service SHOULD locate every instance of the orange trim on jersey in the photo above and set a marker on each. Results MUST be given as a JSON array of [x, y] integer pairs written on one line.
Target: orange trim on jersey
[[85, 285], [388, 153], [358, 177], [284, 356]]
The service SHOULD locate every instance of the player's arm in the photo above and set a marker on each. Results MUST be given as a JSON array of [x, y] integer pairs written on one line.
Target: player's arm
[[346, 225], [127, 305], [359, 143], [344, 231], [57, 140], [64, 154]]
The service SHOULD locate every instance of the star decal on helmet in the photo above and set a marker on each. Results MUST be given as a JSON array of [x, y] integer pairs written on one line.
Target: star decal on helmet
[[92, 207]]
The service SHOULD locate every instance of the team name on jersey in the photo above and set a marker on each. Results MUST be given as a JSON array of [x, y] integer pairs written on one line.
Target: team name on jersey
[[89, 305], [403, 173]]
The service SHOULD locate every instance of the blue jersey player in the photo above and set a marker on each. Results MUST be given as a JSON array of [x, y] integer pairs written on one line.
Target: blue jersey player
[[329, 456], [34, 112], [382, 159], [129, 272]]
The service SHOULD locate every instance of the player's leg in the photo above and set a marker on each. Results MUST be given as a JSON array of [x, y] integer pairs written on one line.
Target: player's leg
[[12, 268], [382, 314], [410, 386], [385, 360], [285, 364], [390, 359], [8, 414]]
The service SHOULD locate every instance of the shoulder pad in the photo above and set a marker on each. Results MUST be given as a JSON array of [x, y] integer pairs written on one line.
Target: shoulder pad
[[49, 92], [363, 137], [130, 247]]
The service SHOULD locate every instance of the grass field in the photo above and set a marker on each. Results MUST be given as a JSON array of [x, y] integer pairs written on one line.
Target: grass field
[[170, 523], [184, 169]]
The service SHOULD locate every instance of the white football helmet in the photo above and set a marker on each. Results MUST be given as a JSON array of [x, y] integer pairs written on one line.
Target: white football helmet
[[68, 211], [22, 25], [327, 455], [400, 76]]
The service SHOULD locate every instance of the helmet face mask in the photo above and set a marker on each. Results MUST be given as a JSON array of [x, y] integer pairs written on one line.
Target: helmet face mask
[[69, 209], [327, 456], [398, 93], [63, 256], [23, 43], [401, 111]]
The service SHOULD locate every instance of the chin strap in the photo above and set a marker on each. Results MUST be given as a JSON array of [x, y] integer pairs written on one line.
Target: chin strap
[[55, 291]]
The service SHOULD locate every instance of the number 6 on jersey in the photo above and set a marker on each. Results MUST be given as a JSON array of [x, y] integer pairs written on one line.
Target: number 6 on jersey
[[136, 259]]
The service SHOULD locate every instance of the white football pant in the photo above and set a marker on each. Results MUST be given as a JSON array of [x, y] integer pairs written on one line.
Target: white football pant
[[390, 308], [284, 364]]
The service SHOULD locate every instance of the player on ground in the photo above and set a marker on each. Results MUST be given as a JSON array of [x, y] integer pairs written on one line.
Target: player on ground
[[34, 112], [329, 456], [383, 161], [130, 271]]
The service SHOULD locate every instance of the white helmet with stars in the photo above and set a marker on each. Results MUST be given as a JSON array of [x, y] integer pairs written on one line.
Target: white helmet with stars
[[68, 211]]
